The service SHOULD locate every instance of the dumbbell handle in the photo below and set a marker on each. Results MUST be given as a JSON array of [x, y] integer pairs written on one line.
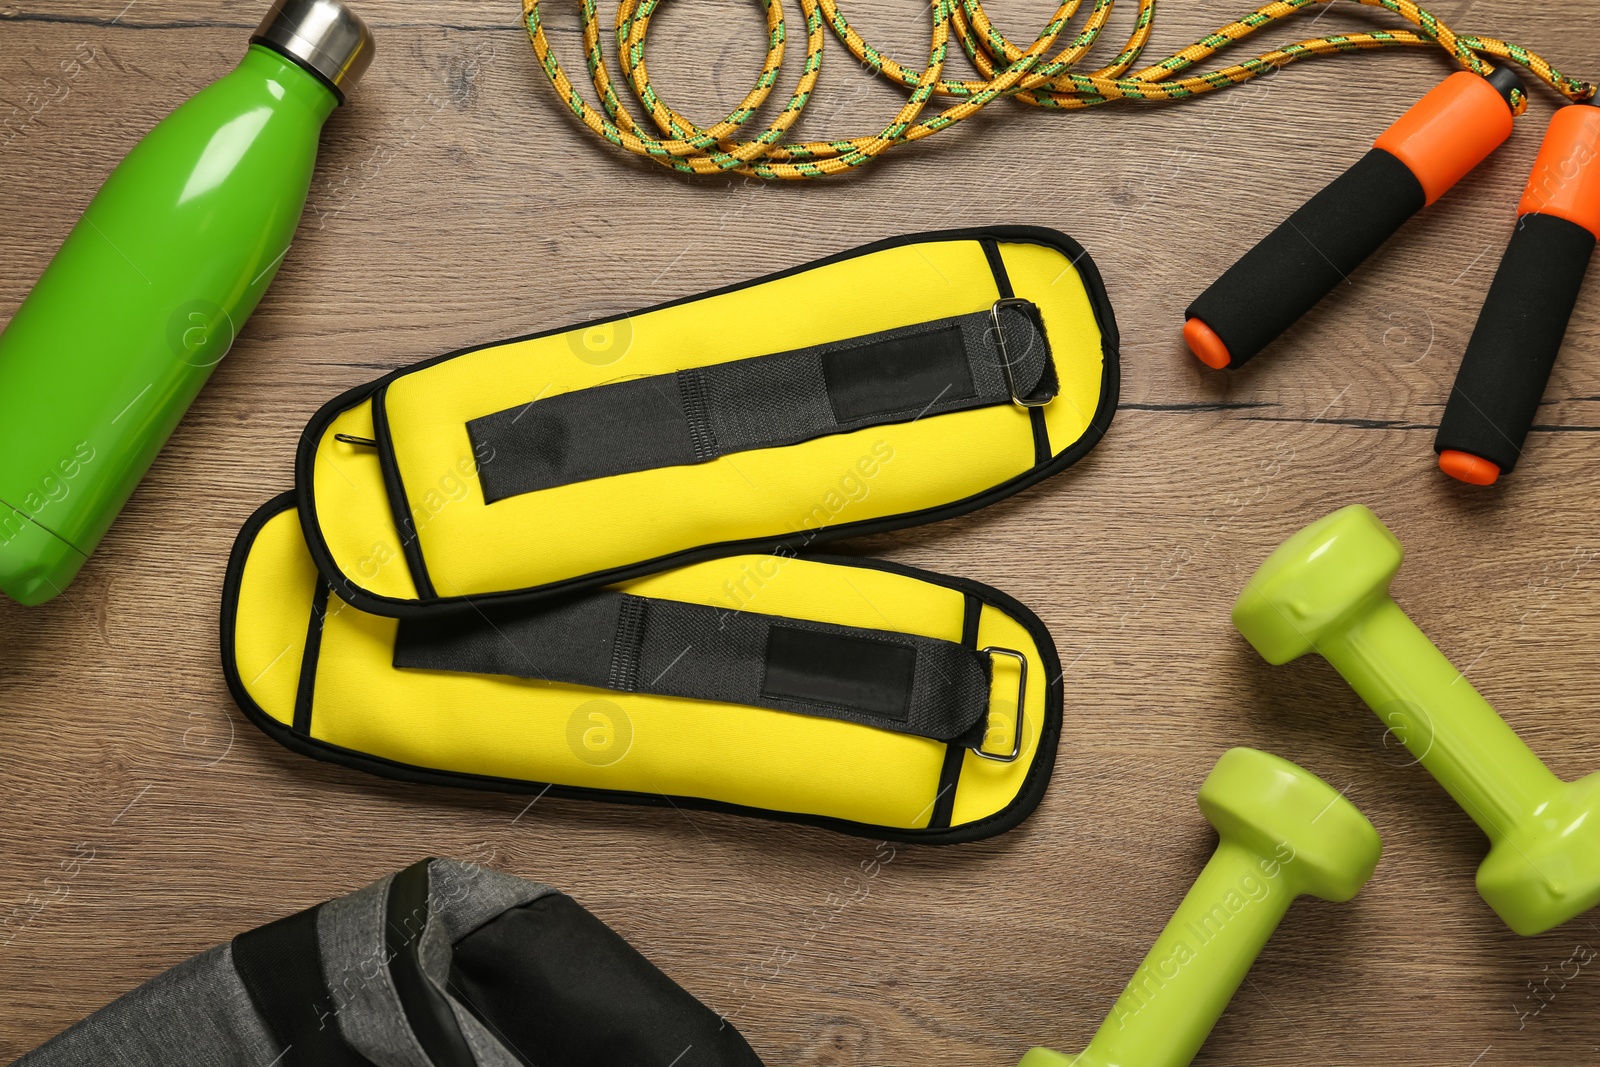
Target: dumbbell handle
[[1442, 720], [1281, 832], [1192, 971], [1524, 317]]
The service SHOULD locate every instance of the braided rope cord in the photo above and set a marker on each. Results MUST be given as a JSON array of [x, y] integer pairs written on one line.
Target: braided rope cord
[[1029, 75]]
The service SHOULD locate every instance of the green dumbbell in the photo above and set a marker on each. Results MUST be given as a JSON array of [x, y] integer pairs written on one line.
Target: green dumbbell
[[1283, 832], [1327, 589]]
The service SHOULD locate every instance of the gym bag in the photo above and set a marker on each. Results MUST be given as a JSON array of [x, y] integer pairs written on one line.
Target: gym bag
[[441, 965]]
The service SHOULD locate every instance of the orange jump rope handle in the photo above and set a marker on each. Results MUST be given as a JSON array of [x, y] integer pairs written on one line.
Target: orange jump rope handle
[[1416, 161], [1524, 317]]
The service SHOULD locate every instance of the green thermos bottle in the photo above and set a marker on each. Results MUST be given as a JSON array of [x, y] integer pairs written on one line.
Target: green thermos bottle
[[149, 289]]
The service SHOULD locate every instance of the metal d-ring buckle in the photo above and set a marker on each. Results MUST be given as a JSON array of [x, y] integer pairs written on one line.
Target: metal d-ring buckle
[[1022, 692], [1005, 357]]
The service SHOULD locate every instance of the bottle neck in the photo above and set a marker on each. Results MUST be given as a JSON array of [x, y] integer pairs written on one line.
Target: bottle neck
[[287, 81]]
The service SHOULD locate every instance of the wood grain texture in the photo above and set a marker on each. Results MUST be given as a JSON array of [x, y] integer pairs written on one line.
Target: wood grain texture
[[455, 203]]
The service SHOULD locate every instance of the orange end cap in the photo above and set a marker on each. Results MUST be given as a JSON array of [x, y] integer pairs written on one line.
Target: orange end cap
[[1206, 345], [1564, 182], [1449, 131], [1465, 467]]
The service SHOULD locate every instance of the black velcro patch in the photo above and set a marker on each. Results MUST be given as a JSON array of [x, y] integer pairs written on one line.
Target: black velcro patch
[[898, 374], [853, 672]]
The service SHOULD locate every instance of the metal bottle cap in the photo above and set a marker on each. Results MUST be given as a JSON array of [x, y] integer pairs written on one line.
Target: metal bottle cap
[[323, 36]]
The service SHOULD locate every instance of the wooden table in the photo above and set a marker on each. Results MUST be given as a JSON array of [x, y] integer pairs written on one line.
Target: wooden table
[[457, 203]]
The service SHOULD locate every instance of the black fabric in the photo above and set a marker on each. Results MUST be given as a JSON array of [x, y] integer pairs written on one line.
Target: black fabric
[[770, 401], [404, 517], [1514, 346], [1314, 250], [592, 433], [842, 669], [1002, 284], [574, 641], [899, 374], [426, 1009], [955, 756], [306, 684], [281, 968], [561, 989], [892, 681]]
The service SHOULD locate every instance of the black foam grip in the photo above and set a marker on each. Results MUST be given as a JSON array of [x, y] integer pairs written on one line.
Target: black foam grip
[[1514, 345], [1314, 250]]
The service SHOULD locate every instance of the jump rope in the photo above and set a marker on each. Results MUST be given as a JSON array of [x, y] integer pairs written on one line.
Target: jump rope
[[1507, 364], [1009, 72]]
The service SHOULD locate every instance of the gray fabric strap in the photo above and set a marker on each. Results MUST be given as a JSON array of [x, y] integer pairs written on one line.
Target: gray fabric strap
[[696, 415], [893, 681]]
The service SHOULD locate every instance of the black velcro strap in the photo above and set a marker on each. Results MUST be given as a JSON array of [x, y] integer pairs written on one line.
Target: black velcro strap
[[893, 681], [280, 966], [696, 415]]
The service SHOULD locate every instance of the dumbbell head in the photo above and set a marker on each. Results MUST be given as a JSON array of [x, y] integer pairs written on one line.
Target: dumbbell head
[[1315, 581], [1293, 819], [1546, 869]]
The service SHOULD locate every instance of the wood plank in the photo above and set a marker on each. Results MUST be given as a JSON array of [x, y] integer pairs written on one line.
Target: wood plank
[[456, 203]]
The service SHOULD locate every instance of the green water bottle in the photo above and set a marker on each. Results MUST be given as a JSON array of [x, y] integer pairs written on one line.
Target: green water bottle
[[147, 293]]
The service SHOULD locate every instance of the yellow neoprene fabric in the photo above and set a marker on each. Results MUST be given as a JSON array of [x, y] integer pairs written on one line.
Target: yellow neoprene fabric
[[357, 523], [274, 605]]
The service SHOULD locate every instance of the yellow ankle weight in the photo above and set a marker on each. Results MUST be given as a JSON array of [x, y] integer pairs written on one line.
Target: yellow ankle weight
[[856, 394], [326, 679]]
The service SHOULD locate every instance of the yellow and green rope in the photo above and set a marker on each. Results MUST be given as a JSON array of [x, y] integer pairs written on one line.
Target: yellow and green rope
[[1028, 75]]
